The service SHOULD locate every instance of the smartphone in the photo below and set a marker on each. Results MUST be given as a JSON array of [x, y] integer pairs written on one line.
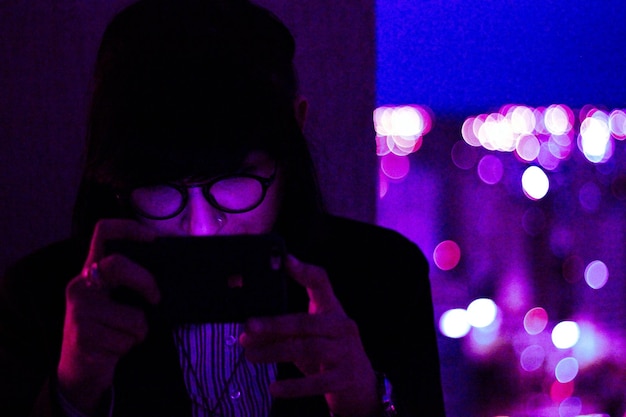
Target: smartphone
[[212, 279]]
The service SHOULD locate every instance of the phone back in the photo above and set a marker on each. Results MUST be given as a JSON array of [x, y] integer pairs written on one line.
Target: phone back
[[210, 279]]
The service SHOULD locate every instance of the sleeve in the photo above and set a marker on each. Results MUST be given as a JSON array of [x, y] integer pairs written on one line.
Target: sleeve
[[68, 409], [32, 305], [411, 353], [385, 288]]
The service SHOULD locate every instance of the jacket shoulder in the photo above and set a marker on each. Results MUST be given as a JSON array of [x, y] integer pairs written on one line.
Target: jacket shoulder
[[367, 237]]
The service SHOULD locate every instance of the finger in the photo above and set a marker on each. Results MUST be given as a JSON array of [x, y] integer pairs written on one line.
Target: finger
[[297, 350], [315, 280], [316, 384], [107, 229], [87, 305], [114, 329], [260, 329], [119, 271], [98, 324], [92, 277]]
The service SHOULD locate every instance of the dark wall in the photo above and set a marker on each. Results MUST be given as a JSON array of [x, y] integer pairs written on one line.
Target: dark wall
[[46, 55]]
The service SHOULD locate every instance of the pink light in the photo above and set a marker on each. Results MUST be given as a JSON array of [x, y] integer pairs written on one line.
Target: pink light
[[447, 255]]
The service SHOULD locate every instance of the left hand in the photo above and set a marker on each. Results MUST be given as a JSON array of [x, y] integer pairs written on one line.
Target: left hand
[[324, 344]]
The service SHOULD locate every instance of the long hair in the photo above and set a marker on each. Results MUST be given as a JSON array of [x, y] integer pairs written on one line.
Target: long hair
[[189, 87]]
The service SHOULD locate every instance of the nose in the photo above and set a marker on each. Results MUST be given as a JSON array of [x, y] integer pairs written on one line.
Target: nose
[[202, 219]]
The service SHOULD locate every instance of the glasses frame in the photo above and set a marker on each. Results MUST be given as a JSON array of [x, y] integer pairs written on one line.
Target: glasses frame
[[265, 182]]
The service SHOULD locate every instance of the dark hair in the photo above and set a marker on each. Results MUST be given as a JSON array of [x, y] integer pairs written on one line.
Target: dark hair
[[190, 87]]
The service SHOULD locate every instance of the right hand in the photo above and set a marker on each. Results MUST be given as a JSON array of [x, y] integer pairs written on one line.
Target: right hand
[[97, 330]]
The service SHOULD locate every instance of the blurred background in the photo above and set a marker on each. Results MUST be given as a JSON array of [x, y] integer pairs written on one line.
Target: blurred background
[[491, 133], [500, 135]]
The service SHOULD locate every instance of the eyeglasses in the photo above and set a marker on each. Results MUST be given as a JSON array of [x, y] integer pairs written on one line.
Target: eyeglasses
[[233, 193]]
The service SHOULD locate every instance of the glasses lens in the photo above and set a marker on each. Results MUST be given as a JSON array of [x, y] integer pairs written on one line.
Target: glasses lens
[[237, 193], [157, 201]]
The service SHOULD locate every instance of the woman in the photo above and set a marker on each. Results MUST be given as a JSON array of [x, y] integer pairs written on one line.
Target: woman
[[196, 130]]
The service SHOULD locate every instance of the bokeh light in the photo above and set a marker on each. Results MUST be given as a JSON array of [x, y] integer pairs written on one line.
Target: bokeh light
[[617, 124], [463, 156], [566, 369], [595, 138], [518, 128], [399, 131], [565, 334], [481, 312], [596, 274], [454, 323], [490, 169], [570, 407], [532, 358], [521, 155], [535, 320], [447, 255], [559, 391], [395, 167], [528, 147], [535, 183]]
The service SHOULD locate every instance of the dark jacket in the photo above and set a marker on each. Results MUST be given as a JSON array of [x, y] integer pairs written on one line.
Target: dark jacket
[[380, 277]]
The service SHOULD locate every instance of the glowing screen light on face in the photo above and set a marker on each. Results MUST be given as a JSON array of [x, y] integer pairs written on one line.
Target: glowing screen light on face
[[535, 183]]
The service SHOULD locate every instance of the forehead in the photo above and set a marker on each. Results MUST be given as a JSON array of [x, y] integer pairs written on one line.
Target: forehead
[[258, 158]]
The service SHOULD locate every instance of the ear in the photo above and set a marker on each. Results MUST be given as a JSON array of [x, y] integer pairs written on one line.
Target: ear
[[301, 106]]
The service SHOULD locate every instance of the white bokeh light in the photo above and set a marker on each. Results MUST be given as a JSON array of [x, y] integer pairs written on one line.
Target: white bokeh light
[[454, 324], [535, 183], [565, 334], [481, 312]]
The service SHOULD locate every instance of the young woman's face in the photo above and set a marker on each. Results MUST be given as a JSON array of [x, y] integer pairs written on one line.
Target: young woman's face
[[200, 218]]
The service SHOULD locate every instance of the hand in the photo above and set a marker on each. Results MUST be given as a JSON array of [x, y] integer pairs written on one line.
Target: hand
[[324, 344], [97, 330]]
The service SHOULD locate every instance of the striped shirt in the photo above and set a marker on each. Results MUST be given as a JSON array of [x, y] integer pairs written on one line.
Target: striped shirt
[[219, 380]]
